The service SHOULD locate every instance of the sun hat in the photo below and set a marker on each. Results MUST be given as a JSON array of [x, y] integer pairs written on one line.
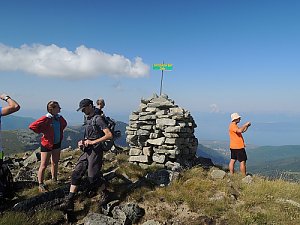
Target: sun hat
[[84, 103], [235, 116]]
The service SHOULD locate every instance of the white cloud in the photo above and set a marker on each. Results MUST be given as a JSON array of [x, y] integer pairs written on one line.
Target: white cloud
[[53, 61]]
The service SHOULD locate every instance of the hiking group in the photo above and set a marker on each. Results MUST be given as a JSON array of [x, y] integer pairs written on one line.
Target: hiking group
[[98, 137], [96, 133]]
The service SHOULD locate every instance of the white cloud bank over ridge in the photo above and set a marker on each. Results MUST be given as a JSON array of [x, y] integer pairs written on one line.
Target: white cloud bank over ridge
[[53, 61]]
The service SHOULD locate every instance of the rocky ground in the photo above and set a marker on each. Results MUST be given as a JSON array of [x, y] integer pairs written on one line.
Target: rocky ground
[[199, 194], [123, 179]]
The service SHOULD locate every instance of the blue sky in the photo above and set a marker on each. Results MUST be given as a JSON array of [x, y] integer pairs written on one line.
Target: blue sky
[[227, 56]]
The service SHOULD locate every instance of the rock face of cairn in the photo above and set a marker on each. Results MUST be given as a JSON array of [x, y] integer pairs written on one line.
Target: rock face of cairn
[[161, 133]]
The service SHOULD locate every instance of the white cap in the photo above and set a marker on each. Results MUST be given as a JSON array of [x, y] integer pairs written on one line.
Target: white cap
[[235, 116]]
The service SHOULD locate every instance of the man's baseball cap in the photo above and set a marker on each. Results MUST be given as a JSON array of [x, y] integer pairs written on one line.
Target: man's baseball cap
[[235, 116], [84, 103]]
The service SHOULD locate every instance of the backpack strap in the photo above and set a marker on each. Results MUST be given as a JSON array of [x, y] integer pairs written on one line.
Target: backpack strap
[[94, 122]]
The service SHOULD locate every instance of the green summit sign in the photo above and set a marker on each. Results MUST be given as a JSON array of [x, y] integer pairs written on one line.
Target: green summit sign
[[162, 66]]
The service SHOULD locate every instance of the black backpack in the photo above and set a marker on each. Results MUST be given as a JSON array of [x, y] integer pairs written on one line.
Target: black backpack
[[111, 124], [7, 189]]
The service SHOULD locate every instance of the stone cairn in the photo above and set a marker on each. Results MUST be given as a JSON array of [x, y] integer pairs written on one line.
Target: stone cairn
[[161, 133]]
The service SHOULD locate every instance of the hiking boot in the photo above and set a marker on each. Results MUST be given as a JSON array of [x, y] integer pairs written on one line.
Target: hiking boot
[[70, 205], [43, 188], [67, 206]]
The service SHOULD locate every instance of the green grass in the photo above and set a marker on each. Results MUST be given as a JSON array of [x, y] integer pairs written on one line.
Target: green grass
[[257, 203], [195, 189], [260, 202], [39, 218], [131, 170]]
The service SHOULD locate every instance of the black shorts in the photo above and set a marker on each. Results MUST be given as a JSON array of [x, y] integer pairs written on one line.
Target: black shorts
[[55, 146], [238, 154]]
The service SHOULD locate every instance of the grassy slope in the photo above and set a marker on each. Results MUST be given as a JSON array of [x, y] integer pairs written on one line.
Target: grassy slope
[[10, 143], [273, 153], [257, 203], [188, 200], [276, 162], [273, 161]]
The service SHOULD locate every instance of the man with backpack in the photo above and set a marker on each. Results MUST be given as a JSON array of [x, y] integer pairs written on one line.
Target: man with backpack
[[96, 132], [111, 124], [5, 175]]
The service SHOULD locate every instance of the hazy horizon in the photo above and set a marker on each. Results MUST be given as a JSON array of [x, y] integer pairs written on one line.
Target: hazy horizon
[[267, 129]]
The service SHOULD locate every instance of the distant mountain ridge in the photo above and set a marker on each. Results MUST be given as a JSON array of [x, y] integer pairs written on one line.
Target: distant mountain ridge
[[276, 161], [12, 122], [270, 161], [16, 137]]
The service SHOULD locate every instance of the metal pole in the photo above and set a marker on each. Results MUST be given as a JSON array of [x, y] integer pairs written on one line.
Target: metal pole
[[161, 81]]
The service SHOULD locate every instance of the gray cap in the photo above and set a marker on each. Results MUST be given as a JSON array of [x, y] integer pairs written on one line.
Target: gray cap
[[84, 103]]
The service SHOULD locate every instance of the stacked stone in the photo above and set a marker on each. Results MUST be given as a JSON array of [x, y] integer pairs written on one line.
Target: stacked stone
[[161, 133]]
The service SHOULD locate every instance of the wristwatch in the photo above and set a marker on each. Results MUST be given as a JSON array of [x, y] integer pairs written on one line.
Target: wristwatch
[[6, 98]]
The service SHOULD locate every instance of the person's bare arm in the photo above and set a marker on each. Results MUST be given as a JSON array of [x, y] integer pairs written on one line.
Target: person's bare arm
[[107, 135], [12, 106], [244, 128]]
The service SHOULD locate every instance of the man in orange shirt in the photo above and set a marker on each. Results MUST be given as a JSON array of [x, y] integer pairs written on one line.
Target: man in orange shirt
[[237, 145]]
